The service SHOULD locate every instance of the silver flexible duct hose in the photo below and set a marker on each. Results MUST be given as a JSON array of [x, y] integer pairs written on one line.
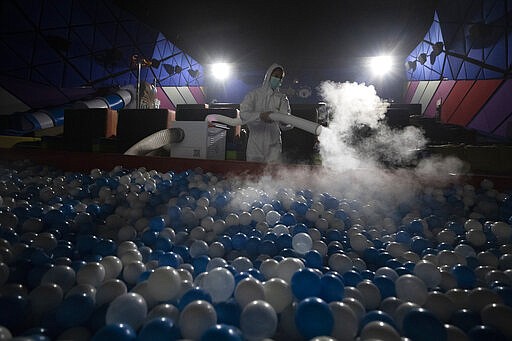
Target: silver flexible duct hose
[[157, 140]]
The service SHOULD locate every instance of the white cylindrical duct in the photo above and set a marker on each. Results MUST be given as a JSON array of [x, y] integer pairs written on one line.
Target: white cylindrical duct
[[98, 102], [224, 119], [309, 126], [157, 140], [125, 95]]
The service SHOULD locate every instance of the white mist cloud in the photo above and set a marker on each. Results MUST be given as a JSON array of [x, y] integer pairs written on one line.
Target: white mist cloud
[[363, 158], [357, 135]]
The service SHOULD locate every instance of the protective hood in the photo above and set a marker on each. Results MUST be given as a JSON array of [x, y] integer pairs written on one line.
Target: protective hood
[[266, 80]]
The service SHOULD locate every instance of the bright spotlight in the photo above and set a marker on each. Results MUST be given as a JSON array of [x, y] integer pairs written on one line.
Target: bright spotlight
[[381, 65], [221, 71]]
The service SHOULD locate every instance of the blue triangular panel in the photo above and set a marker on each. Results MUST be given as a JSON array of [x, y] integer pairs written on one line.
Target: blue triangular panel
[[12, 20], [22, 44], [31, 12], [81, 41], [78, 16], [42, 54], [52, 17]]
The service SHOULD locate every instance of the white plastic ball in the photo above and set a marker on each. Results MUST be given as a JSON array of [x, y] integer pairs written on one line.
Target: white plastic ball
[[428, 272], [92, 273], [112, 265], [45, 297], [410, 288], [378, 330], [346, 322], [248, 290], [164, 283], [272, 217], [109, 290], [287, 267], [132, 272], [129, 308], [302, 242], [258, 320], [196, 318], [219, 283]]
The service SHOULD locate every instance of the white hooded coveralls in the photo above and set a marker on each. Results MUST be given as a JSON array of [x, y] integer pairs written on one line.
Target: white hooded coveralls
[[264, 144]]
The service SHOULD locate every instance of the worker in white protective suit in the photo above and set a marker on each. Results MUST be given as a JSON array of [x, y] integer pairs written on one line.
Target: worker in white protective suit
[[264, 144]]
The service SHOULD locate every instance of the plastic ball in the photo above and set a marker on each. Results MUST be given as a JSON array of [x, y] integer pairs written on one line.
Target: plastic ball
[[248, 290], [193, 294], [196, 318], [420, 324], [465, 319], [258, 320], [498, 316], [287, 267], [164, 283], [346, 323], [313, 317], [45, 298], [302, 243], [272, 217], [228, 312], [164, 310], [411, 289], [483, 332], [277, 293], [109, 290], [428, 272], [67, 315], [331, 288], [159, 329], [115, 331], [464, 275], [371, 294], [222, 332], [13, 312], [62, 275], [441, 305], [305, 283], [130, 308], [379, 330], [219, 283]]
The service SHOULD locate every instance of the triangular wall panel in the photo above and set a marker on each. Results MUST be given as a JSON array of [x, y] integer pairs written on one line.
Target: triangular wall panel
[[476, 58]]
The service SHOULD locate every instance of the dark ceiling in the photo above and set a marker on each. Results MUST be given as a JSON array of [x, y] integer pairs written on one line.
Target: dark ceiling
[[297, 34]]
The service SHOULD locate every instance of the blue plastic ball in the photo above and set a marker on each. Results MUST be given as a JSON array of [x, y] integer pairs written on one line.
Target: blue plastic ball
[[420, 324], [193, 295], [484, 332], [228, 312], [222, 332], [386, 286], [377, 315], [465, 319], [313, 317], [305, 283], [159, 329], [313, 259], [157, 223], [331, 288], [464, 275], [119, 331], [67, 314]]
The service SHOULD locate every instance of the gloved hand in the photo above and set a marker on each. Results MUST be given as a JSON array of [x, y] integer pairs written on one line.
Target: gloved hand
[[264, 116]]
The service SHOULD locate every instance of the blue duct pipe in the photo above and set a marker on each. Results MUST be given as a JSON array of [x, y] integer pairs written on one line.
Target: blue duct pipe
[[27, 122]]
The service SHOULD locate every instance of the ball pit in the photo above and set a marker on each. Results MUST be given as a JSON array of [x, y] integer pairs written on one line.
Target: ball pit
[[135, 254]]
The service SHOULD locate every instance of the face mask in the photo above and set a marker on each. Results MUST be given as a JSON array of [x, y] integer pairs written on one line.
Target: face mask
[[275, 82]]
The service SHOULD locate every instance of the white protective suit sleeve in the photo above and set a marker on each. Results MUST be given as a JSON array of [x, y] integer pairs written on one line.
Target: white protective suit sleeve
[[264, 144]]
